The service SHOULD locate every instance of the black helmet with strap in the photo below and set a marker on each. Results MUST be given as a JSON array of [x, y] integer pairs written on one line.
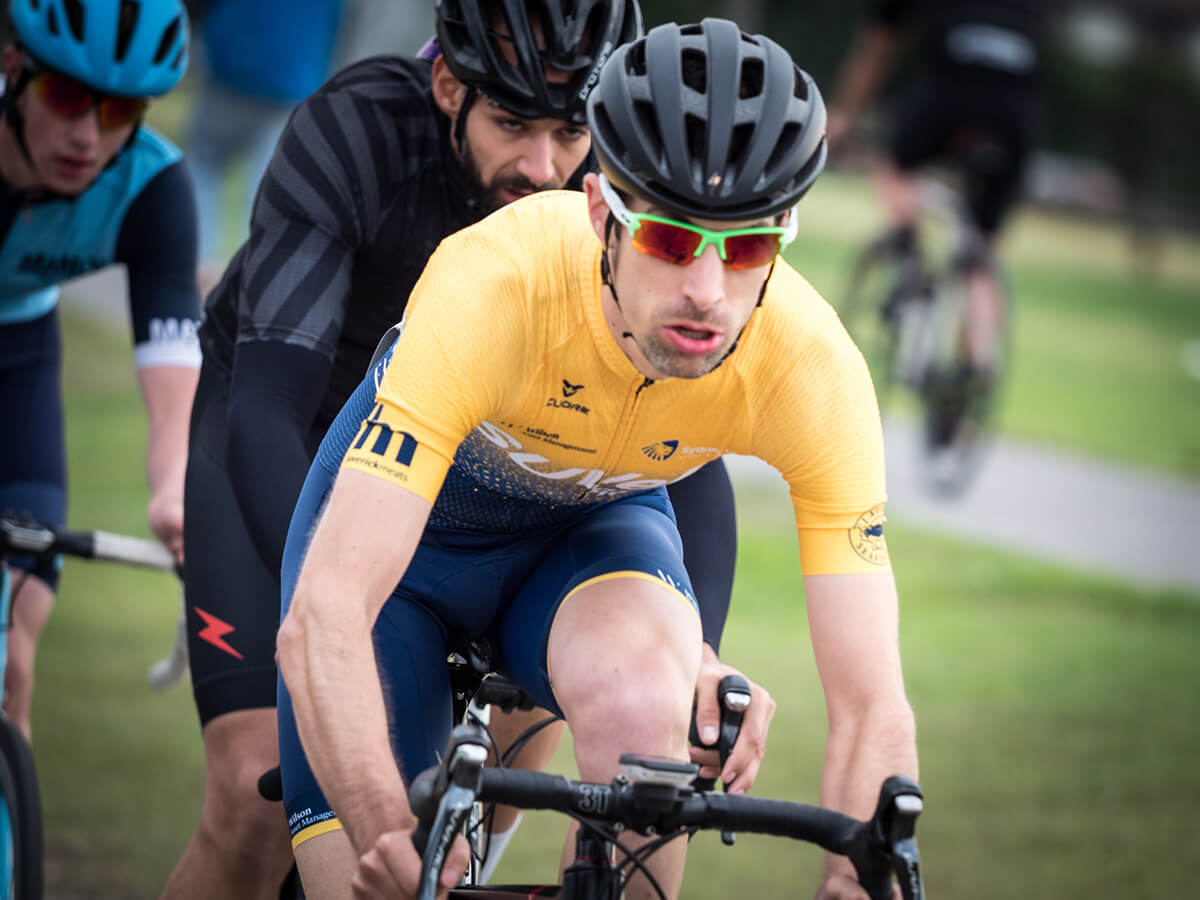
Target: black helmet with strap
[[709, 122], [502, 48]]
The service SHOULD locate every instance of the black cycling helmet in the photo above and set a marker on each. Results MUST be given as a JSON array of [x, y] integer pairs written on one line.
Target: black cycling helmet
[[574, 36], [709, 122]]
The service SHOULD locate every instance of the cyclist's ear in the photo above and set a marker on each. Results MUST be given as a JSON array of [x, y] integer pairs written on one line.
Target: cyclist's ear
[[597, 208], [12, 63], [448, 91]]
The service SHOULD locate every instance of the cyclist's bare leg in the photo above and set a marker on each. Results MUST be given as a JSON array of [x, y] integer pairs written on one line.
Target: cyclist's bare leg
[[31, 605], [241, 847], [897, 191], [327, 865], [535, 755], [986, 315], [623, 658]]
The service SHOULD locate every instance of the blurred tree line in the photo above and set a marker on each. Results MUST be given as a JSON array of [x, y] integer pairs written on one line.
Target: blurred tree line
[[1139, 114]]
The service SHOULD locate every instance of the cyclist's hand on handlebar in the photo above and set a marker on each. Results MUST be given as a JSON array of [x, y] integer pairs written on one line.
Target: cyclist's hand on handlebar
[[165, 514], [841, 886], [742, 766], [391, 869]]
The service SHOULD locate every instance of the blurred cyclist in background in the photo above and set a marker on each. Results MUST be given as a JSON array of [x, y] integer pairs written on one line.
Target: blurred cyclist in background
[[261, 58], [371, 173], [83, 183], [973, 102]]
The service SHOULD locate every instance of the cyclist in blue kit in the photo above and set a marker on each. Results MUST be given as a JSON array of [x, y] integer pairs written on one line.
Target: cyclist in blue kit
[[83, 184]]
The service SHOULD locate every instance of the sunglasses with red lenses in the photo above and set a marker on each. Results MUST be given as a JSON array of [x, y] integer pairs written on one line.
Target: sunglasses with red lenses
[[70, 99], [681, 242]]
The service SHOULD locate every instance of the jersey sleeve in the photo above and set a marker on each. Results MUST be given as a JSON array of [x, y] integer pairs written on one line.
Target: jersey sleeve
[[461, 359], [819, 425], [316, 206], [157, 244]]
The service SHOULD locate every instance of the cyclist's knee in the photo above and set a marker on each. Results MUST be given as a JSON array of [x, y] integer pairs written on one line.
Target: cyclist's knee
[[974, 255], [643, 712], [239, 748]]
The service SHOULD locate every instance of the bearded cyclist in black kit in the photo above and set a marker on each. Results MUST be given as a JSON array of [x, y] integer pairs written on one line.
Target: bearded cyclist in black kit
[[389, 157]]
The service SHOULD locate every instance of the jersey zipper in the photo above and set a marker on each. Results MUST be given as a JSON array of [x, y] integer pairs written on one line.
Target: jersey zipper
[[624, 426]]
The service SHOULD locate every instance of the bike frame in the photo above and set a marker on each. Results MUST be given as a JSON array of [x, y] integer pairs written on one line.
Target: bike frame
[[20, 828]]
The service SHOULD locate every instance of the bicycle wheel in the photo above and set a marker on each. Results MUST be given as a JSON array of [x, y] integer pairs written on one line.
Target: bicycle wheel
[[958, 401], [20, 818], [878, 308]]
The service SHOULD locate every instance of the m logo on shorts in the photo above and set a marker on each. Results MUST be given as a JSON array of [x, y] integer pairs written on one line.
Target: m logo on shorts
[[383, 438]]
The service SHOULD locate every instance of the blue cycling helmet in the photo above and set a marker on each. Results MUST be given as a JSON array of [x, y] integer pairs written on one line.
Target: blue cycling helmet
[[132, 48]]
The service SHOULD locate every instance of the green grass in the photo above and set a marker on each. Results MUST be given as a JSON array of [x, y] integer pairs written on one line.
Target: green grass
[[1057, 715], [1057, 736], [1098, 339]]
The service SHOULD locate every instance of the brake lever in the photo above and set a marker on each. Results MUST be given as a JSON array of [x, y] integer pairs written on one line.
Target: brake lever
[[900, 803], [733, 697], [887, 844], [454, 786]]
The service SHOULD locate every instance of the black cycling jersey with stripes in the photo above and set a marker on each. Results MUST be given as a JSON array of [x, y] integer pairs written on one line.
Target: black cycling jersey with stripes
[[362, 189]]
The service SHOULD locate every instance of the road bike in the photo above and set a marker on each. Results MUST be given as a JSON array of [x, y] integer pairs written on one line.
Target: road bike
[[656, 798], [21, 837], [906, 308]]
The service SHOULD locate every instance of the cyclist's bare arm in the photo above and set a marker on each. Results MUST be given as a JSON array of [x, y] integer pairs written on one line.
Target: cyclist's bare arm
[[167, 392], [362, 546], [862, 72], [854, 625]]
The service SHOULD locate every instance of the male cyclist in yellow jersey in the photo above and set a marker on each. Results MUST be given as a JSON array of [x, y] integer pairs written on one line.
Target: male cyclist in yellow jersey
[[502, 470]]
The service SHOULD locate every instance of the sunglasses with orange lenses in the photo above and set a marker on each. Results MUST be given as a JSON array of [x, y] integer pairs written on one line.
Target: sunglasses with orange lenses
[[70, 99], [681, 242]]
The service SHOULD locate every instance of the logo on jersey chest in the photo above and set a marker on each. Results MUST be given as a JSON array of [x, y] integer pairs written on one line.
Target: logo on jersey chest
[[660, 450], [569, 390], [65, 266]]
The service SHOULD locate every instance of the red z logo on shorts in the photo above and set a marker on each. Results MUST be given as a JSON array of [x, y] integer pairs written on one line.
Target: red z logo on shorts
[[214, 631]]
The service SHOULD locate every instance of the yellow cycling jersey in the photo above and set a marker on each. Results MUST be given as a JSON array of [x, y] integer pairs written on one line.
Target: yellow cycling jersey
[[506, 370]]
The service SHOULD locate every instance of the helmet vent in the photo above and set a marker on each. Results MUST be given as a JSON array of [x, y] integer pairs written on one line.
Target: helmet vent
[[635, 59], [168, 40], [739, 141], [694, 64], [52, 21], [694, 131], [75, 18], [648, 120], [752, 79], [785, 145], [801, 91], [126, 26], [35, 5]]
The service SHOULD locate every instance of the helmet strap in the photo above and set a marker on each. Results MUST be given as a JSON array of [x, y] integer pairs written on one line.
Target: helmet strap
[[605, 268], [14, 116], [460, 121]]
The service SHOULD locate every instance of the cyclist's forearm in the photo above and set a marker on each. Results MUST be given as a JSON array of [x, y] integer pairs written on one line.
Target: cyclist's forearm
[[167, 392], [862, 750], [362, 546], [864, 69], [328, 665]]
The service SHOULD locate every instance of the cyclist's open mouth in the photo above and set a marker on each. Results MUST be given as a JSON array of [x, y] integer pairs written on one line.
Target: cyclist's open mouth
[[692, 338]]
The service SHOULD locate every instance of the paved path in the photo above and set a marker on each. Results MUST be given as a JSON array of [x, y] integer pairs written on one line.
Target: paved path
[[1096, 515], [1101, 516]]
